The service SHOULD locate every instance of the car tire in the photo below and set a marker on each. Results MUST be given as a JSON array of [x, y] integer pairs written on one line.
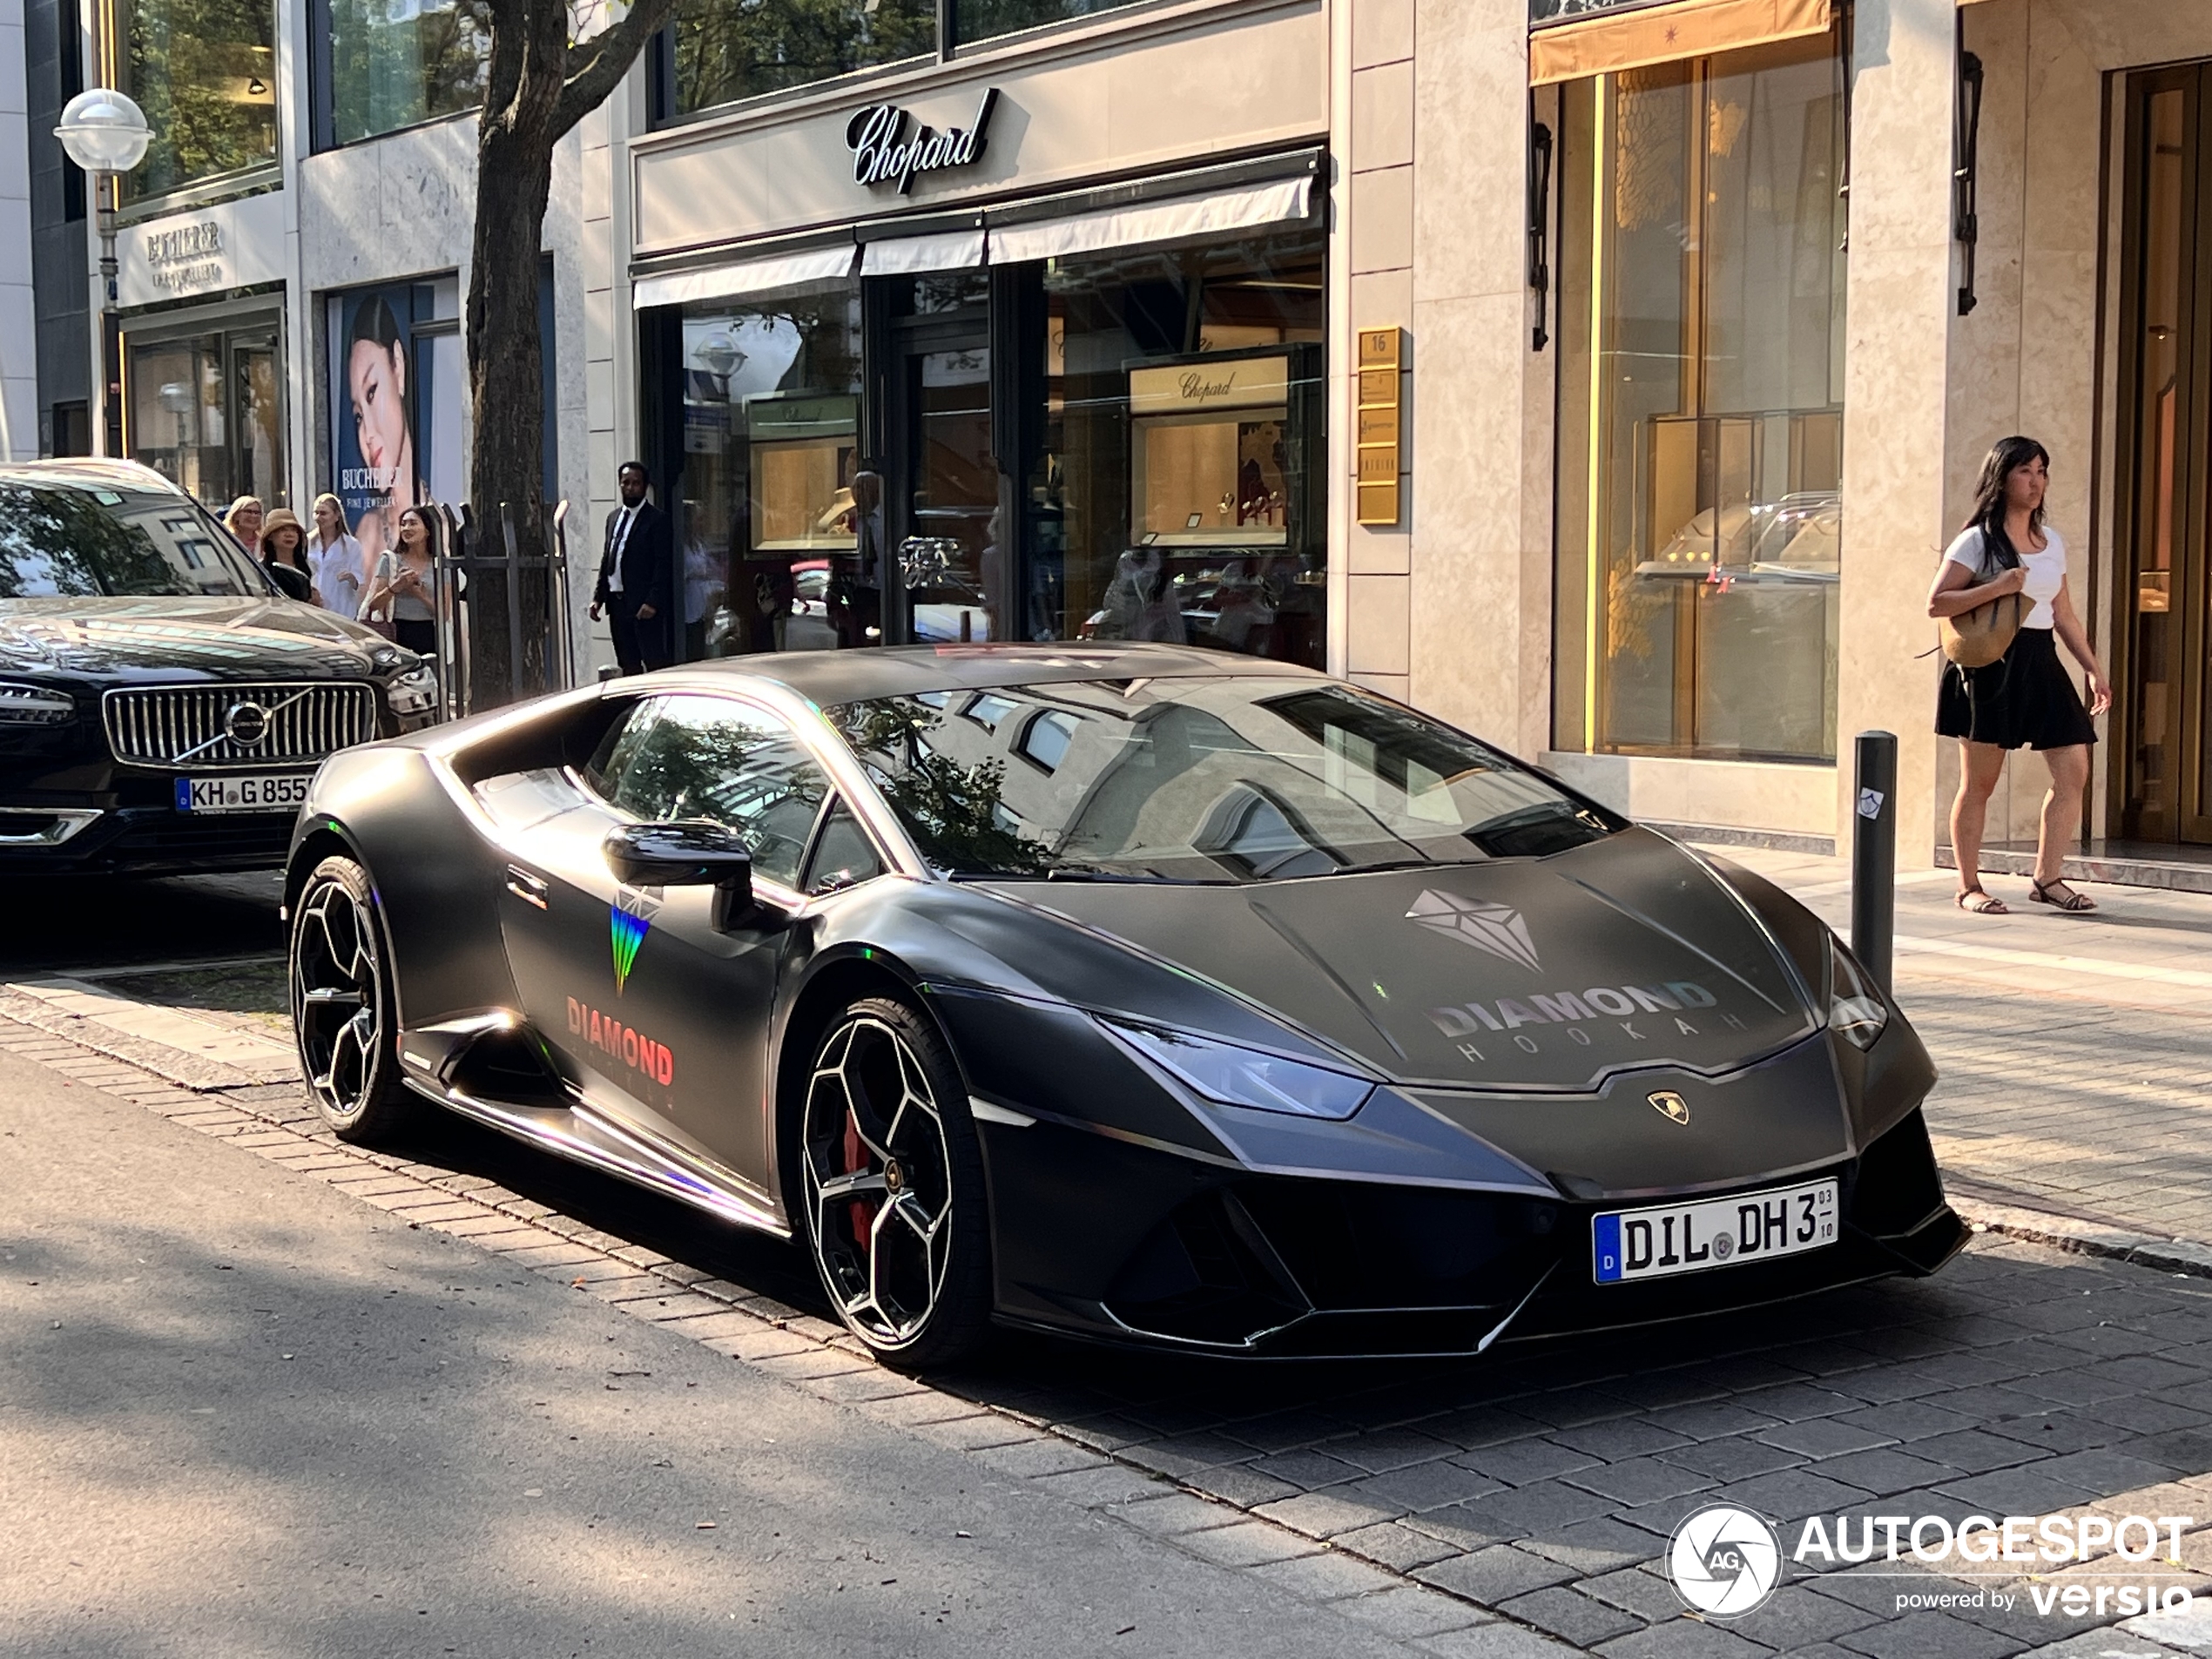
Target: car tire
[[893, 1201], [343, 1013]]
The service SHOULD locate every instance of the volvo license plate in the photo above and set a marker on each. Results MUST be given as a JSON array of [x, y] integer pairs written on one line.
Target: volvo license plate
[[249, 792], [1671, 1239]]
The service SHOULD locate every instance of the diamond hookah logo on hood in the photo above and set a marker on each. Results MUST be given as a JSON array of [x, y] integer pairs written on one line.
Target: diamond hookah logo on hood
[[1499, 929], [629, 918]]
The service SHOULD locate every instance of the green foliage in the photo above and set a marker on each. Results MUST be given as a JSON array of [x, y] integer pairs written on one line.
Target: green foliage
[[952, 810], [731, 49], [193, 65], [391, 67]]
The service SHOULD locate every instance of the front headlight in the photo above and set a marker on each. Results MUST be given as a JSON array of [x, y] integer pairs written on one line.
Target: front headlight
[[22, 705], [1855, 1007], [1235, 1076], [412, 690]]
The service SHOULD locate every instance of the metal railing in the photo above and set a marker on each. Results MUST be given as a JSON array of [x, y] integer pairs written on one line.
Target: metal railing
[[522, 595]]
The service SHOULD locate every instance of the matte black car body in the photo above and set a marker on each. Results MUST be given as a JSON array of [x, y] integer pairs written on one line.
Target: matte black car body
[[1455, 1206], [69, 801]]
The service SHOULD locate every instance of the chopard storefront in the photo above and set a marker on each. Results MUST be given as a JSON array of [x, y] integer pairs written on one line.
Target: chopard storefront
[[1027, 343]]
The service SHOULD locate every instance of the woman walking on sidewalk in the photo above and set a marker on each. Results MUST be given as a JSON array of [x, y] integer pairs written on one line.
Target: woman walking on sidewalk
[[2026, 697]]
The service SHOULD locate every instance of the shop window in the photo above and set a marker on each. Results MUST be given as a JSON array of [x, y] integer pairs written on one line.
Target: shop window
[[1179, 489], [781, 531], [206, 412], [721, 50], [204, 72], [1700, 447], [979, 20], [391, 63]]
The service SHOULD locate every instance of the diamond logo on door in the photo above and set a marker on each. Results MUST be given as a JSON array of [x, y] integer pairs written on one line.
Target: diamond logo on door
[[629, 919]]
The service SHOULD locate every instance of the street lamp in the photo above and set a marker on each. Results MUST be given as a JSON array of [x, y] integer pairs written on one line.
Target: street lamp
[[105, 133]]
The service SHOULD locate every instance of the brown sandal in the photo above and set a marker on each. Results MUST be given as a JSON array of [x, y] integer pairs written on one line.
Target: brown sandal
[[1978, 901], [2039, 893]]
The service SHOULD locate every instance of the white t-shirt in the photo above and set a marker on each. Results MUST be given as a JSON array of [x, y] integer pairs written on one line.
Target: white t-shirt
[[2045, 570], [337, 573]]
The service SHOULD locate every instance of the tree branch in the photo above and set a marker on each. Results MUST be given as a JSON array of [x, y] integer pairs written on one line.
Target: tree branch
[[597, 66]]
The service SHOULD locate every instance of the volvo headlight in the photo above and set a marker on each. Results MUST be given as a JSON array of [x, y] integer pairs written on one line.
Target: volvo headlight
[[414, 688], [1856, 1008], [23, 705], [1237, 1076]]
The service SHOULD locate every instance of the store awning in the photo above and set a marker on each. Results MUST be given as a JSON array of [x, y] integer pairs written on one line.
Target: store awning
[[1666, 34], [920, 255], [754, 276], [1173, 220]]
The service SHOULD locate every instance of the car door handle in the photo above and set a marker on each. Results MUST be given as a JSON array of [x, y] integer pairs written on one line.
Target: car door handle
[[530, 889]]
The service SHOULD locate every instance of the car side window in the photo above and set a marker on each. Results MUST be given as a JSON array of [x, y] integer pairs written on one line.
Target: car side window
[[844, 857], [707, 757], [619, 746]]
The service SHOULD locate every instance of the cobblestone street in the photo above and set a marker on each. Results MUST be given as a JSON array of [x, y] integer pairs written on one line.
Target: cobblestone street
[[1501, 1505]]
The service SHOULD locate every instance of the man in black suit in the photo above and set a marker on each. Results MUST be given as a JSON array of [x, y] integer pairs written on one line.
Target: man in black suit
[[638, 576]]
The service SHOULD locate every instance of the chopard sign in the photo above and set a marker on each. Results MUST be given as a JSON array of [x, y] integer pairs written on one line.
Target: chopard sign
[[890, 147]]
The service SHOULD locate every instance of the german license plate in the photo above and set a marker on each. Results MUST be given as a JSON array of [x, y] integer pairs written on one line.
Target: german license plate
[[1673, 1239], [251, 791]]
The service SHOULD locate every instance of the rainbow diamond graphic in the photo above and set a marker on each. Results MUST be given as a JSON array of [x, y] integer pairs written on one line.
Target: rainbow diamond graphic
[[629, 919]]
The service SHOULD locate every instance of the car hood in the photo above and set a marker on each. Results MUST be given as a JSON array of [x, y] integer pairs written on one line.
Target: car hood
[[124, 641], [1547, 973]]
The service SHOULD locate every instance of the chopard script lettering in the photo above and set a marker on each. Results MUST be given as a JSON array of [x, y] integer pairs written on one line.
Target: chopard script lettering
[[889, 147]]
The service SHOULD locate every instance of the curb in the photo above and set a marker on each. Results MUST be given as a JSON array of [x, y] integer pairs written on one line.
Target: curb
[[2087, 1238]]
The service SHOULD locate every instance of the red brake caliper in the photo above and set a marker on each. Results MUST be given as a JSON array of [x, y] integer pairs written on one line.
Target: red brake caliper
[[856, 1159]]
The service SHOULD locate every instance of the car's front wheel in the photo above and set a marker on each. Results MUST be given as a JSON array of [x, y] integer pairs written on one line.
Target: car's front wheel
[[342, 1005], [893, 1186]]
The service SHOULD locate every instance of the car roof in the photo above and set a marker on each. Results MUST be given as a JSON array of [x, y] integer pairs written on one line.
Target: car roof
[[86, 472], [831, 677]]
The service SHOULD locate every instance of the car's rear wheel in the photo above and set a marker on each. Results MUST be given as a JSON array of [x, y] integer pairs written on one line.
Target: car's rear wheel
[[893, 1187], [342, 1005]]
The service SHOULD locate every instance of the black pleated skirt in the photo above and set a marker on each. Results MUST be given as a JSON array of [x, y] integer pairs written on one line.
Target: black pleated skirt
[[2024, 699]]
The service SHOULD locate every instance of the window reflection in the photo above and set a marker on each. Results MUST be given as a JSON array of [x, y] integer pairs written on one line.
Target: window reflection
[[726, 49], [782, 530], [979, 20], [705, 757], [205, 73], [394, 62], [1701, 407]]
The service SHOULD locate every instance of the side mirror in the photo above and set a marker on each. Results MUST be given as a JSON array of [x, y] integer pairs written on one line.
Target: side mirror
[[296, 583], [691, 853]]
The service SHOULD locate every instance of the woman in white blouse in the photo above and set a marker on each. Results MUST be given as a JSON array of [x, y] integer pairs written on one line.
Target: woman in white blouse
[[335, 559]]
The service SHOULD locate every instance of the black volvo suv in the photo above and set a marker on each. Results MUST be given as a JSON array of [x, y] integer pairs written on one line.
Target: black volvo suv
[[163, 702]]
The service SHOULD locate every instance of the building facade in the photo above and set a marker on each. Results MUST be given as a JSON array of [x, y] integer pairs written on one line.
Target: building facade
[[1605, 378]]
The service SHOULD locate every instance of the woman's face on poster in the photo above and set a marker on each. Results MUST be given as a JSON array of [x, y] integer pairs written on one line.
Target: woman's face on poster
[[378, 378]]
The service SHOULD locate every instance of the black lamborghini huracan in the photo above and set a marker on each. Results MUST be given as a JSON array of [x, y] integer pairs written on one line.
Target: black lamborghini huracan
[[1132, 992]]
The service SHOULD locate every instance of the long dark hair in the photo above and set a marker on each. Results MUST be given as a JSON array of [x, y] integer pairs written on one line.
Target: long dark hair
[[2006, 457]]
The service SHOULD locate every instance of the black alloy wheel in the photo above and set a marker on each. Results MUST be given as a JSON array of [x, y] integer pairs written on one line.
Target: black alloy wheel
[[342, 1005], [894, 1187]]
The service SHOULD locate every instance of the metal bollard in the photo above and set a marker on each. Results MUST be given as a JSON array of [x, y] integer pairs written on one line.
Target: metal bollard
[[1873, 855]]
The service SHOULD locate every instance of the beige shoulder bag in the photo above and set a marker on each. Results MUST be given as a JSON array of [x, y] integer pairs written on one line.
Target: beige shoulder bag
[[1978, 637]]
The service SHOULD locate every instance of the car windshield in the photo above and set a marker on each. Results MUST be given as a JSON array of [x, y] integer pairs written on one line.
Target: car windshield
[[1234, 779], [70, 541]]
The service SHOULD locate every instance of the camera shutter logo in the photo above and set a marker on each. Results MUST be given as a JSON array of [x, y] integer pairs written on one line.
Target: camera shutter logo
[[1497, 929], [1724, 1562]]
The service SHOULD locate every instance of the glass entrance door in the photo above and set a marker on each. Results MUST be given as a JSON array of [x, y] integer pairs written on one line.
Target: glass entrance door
[[2165, 770], [942, 486]]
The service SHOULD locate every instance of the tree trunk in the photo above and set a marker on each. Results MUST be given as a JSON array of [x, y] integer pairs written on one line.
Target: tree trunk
[[507, 398], [537, 85]]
